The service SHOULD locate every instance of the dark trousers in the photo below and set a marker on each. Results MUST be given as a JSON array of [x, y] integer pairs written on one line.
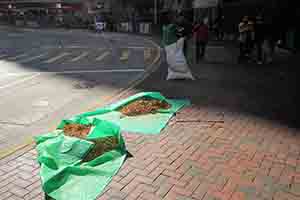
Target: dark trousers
[[200, 50], [185, 46], [259, 45]]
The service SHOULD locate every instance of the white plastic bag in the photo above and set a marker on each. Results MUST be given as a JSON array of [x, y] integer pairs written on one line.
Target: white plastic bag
[[178, 67]]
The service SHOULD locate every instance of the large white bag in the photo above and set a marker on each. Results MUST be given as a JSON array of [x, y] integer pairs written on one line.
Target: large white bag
[[178, 67]]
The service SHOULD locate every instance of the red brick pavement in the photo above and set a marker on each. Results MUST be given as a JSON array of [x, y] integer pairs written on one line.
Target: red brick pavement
[[239, 158]]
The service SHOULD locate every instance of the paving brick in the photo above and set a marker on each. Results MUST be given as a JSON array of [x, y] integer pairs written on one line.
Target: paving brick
[[5, 195], [125, 170], [14, 197], [149, 196], [144, 179], [295, 189], [229, 187], [164, 189], [130, 187], [201, 191], [276, 170], [33, 194], [113, 193], [161, 179], [238, 196], [18, 191], [173, 174], [116, 185], [27, 168], [180, 183], [24, 175], [127, 178], [155, 173]]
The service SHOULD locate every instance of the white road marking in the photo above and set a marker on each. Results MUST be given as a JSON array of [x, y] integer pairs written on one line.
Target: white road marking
[[20, 81], [7, 74], [18, 56], [101, 57], [84, 54], [2, 56], [51, 60], [32, 58]]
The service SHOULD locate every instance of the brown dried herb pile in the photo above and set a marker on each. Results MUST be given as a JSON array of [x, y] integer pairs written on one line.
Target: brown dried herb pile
[[102, 145], [143, 106], [77, 130]]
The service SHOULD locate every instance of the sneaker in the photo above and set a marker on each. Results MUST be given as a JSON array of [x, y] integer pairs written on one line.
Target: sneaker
[[260, 62]]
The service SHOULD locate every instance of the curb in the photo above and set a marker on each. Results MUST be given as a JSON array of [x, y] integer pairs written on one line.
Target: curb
[[152, 67]]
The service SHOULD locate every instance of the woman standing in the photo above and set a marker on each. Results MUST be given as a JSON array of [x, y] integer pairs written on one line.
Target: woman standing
[[201, 33]]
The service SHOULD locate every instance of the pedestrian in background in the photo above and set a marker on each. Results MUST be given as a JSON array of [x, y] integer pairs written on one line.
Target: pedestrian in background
[[259, 38], [250, 40], [201, 34], [184, 30], [243, 29]]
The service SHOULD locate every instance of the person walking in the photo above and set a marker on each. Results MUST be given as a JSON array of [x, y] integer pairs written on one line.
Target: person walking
[[184, 30], [201, 34], [243, 29], [250, 40], [259, 38]]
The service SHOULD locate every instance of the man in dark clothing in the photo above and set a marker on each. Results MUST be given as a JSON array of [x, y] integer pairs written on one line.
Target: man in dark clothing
[[184, 30], [260, 34]]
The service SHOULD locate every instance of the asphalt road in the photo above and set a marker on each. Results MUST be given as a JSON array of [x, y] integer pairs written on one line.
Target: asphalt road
[[46, 76]]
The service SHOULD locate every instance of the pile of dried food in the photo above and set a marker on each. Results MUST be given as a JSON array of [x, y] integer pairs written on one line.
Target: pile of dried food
[[143, 106], [77, 130], [102, 145]]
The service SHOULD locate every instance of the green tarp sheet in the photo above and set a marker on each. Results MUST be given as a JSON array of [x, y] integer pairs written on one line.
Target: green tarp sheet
[[145, 124], [63, 173], [64, 176]]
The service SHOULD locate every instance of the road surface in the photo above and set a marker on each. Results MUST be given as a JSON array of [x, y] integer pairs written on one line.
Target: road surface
[[48, 75]]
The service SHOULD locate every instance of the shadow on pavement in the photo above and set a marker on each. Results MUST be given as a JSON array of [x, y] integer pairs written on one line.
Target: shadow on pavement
[[263, 91]]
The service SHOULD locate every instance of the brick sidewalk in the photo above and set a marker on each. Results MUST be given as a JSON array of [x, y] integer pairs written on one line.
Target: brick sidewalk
[[239, 158], [215, 149]]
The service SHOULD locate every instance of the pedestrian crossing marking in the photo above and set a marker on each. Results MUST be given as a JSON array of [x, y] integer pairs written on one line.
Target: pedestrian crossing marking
[[82, 55], [32, 58], [52, 60], [101, 57], [18, 56]]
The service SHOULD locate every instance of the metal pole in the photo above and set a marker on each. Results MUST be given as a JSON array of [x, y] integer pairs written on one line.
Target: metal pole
[[155, 11]]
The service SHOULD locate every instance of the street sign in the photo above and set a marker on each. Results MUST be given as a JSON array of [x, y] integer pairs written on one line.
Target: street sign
[[205, 3]]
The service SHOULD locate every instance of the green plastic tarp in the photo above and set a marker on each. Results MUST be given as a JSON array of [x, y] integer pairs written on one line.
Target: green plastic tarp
[[145, 124], [64, 176]]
